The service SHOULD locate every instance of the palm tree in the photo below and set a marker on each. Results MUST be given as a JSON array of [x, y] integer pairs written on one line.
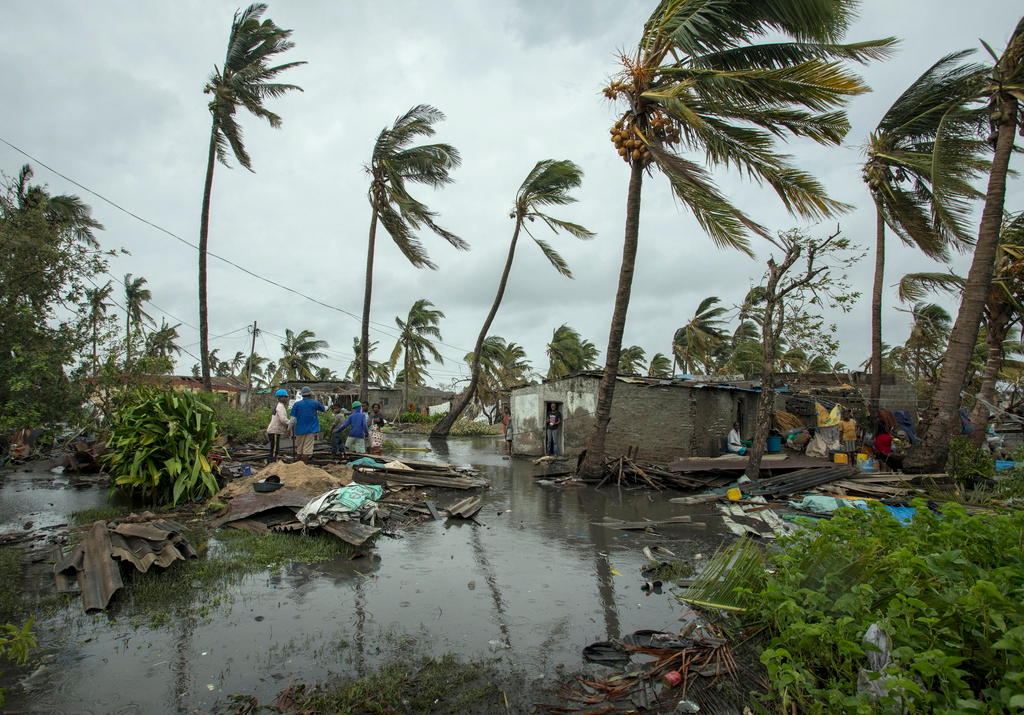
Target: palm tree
[[414, 344], [921, 158], [243, 82], [96, 302], [67, 212], [324, 373], [252, 369], [568, 353], [632, 360], [393, 165], [660, 366], [548, 184], [380, 372], [697, 78], [135, 294], [693, 345], [161, 342], [298, 351], [1004, 89]]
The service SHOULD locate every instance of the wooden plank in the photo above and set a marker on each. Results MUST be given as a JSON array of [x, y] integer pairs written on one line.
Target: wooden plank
[[432, 508], [351, 532], [641, 525]]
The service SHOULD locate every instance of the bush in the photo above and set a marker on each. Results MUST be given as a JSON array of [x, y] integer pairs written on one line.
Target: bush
[[234, 424], [417, 418], [15, 644], [946, 590], [158, 445], [967, 463]]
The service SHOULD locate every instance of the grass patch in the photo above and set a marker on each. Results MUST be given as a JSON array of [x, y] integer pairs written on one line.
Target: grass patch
[[198, 586], [427, 686], [100, 513]]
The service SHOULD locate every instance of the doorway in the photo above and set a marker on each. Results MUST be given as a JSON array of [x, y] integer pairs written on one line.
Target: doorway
[[559, 433]]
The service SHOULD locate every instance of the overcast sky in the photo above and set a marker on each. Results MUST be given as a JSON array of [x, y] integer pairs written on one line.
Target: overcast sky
[[110, 94]]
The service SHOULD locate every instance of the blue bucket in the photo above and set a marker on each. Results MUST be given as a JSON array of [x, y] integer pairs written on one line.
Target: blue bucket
[[773, 445]]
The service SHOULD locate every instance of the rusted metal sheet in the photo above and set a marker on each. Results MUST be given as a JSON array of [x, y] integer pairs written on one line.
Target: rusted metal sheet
[[246, 505], [100, 577], [351, 532]]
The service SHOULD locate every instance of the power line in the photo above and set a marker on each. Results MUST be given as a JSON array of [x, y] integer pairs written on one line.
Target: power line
[[176, 237]]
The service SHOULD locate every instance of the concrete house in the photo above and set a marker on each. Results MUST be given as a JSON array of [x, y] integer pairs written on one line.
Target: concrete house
[[670, 419], [664, 418]]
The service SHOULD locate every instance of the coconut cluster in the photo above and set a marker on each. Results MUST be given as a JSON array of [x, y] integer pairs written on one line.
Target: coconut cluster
[[631, 144]]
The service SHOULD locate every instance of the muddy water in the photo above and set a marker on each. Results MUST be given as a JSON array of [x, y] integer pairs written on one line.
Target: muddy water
[[530, 586]]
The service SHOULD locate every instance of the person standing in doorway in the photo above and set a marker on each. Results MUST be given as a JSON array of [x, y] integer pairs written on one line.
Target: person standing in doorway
[[307, 424], [279, 424], [552, 425]]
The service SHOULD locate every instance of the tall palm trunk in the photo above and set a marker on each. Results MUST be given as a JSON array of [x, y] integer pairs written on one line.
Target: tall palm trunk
[[996, 331], [364, 336], [405, 380], [931, 456], [204, 233], [127, 338], [593, 463], [459, 404], [875, 389]]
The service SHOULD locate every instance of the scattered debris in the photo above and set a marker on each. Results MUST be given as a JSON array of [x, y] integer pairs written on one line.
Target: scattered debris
[[466, 508]]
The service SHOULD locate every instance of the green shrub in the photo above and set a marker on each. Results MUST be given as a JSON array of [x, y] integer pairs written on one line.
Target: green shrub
[[417, 418], [15, 644], [234, 424], [946, 589], [158, 445], [967, 463]]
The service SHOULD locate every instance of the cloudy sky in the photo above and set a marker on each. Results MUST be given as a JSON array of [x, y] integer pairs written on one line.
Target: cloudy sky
[[110, 94]]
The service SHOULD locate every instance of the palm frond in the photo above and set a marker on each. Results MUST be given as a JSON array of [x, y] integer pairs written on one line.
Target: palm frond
[[553, 257], [914, 286]]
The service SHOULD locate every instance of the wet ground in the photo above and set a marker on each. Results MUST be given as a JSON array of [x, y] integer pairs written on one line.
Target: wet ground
[[529, 587]]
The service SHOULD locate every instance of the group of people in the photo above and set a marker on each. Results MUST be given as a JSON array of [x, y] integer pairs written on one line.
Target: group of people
[[348, 432], [882, 445]]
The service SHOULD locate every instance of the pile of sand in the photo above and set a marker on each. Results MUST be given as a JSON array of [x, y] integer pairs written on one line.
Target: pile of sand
[[297, 476]]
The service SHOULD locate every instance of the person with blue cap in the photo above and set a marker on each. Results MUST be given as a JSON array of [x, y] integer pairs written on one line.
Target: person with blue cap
[[279, 424], [307, 423], [359, 427]]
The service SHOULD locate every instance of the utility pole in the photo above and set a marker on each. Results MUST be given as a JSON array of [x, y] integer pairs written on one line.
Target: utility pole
[[248, 368]]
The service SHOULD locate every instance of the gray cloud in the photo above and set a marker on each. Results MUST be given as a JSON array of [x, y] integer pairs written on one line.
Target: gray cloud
[[111, 94]]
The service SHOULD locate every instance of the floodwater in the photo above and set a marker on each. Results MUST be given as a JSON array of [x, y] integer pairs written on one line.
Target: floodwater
[[529, 587]]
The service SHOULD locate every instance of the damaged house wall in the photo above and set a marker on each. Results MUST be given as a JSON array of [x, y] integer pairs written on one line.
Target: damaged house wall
[[664, 420]]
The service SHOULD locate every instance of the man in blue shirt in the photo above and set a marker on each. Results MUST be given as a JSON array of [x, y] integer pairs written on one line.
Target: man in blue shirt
[[307, 424], [358, 426]]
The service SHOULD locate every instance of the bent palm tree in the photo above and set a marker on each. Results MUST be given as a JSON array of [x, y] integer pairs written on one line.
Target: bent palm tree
[[135, 294], [393, 165], [698, 78], [1004, 90], [96, 304], [547, 184], [414, 344], [568, 353], [298, 351], [921, 158], [243, 82], [161, 342], [694, 344], [660, 366], [631, 360], [380, 372]]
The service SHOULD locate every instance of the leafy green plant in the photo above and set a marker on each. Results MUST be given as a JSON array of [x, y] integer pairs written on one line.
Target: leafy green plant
[[945, 589], [967, 463], [417, 418], [158, 445], [15, 645]]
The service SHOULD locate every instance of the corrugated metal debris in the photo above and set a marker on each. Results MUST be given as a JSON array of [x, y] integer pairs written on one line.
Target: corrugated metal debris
[[94, 562]]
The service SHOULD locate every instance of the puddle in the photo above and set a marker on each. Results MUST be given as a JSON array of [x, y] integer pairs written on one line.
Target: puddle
[[530, 586]]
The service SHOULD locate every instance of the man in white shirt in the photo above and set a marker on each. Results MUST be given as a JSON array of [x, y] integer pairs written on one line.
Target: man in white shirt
[[734, 444]]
